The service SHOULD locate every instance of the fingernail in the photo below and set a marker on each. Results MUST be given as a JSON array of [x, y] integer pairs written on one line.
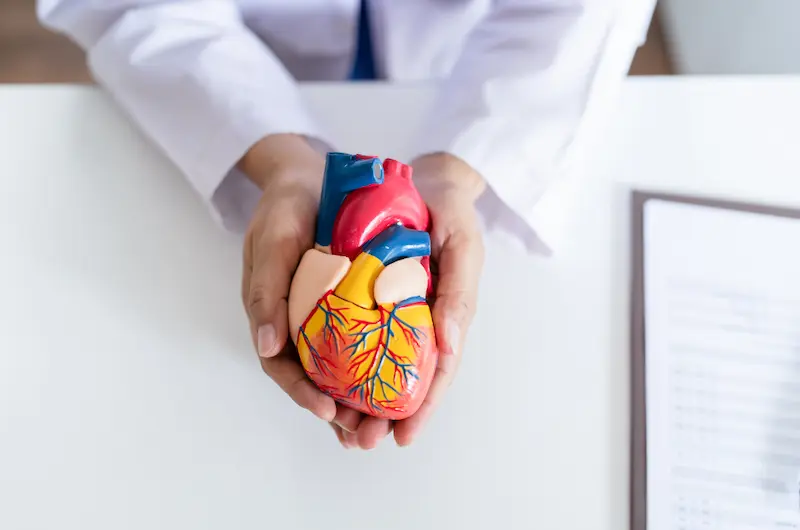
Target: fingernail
[[345, 429], [350, 439], [452, 334], [343, 442], [266, 340]]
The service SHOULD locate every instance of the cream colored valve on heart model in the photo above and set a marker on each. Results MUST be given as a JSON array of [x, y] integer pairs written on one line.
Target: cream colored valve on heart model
[[365, 282]]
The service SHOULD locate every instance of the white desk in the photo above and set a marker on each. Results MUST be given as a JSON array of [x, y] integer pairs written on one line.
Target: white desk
[[130, 397]]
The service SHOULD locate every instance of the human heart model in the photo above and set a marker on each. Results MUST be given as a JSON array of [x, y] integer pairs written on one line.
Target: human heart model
[[357, 305]]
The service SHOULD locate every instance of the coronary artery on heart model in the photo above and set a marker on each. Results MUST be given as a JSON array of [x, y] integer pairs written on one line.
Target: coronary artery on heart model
[[358, 312]]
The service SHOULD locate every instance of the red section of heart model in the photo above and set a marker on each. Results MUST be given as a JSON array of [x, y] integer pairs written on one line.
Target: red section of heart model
[[366, 212]]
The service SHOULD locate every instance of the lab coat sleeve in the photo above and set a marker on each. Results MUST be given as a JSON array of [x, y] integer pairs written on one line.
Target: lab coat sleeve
[[522, 95], [194, 78]]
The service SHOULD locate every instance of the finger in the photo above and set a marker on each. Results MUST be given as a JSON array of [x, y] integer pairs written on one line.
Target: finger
[[272, 334], [371, 431], [450, 341], [286, 371], [459, 261], [346, 421], [339, 434], [350, 439], [448, 361], [406, 431], [347, 418], [460, 266], [275, 258]]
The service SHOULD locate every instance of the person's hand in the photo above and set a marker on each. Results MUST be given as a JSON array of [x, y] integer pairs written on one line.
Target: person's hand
[[289, 173], [450, 188]]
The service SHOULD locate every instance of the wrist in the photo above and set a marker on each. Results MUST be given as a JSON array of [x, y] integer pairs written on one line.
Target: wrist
[[282, 156], [447, 172]]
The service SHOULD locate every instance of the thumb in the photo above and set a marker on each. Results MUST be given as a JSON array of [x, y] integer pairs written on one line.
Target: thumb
[[274, 262], [460, 262], [272, 333], [458, 250]]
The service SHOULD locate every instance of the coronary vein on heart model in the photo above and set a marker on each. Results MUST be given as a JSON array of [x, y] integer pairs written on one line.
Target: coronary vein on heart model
[[357, 306]]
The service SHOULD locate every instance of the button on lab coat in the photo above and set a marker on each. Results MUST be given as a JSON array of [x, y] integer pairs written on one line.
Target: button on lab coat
[[517, 80]]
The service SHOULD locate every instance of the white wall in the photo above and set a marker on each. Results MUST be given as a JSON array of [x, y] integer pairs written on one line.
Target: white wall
[[733, 36]]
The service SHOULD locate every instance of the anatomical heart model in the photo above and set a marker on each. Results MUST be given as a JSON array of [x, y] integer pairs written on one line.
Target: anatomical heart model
[[357, 306]]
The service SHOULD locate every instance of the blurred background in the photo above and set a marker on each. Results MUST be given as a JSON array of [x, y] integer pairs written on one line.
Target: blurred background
[[32, 54], [686, 37]]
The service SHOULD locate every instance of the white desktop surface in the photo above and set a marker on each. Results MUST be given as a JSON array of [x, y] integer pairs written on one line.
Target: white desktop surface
[[130, 396]]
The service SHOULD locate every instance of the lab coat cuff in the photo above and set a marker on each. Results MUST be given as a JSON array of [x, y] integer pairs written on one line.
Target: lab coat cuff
[[231, 196], [225, 149], [508, 208]]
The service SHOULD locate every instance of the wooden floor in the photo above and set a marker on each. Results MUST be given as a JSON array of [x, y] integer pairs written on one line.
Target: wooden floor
[[32, 54]]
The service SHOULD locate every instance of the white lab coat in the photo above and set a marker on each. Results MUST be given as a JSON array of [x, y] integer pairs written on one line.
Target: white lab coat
[[205, 79]]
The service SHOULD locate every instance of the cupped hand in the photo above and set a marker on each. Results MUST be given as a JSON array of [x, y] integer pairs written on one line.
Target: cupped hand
[[450, 188], [289, 173]]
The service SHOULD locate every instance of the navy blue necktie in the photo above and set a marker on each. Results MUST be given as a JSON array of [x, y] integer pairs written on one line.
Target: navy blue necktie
[[364, 66]]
